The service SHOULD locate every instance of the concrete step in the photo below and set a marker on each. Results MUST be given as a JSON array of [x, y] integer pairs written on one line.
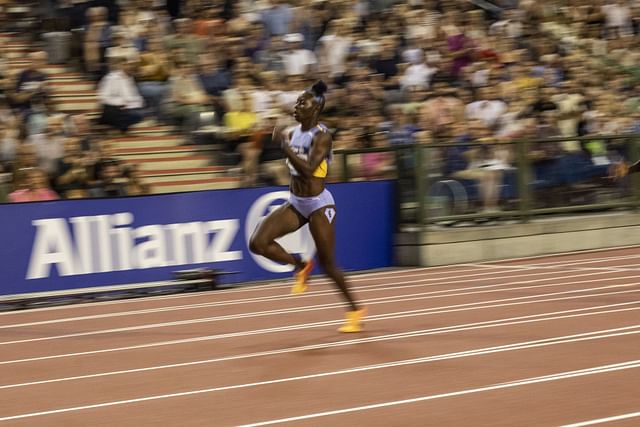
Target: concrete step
[[63, 92], [76, 106], [67, 76], [195, 172], [184, 149], [86, 95], [159, 130], [51, 70], [152, 162], [147, 141], [195, 185], [72, 85], [189, 177]]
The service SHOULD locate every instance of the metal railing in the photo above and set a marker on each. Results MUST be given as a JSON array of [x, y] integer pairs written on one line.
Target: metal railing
[[542, 177]]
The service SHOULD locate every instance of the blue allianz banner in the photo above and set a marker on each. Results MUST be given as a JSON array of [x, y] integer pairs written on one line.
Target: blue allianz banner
[[87, 243]]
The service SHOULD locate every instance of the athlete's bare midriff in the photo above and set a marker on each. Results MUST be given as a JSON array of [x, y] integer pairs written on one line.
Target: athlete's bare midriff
[[306, 187]]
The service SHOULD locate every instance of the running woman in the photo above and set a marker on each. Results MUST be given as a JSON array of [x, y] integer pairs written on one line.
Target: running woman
[[307, 148]]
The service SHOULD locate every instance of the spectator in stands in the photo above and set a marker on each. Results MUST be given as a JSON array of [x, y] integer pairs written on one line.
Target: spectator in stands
[[335, 46], [119, 97], [253, 41], [297, 60], [378, 165], [8, 146], [188, 97], [25, 157], [482, 164], [277, 18], [252, 149], [32, 185], [72, 179], [96, 41], [184, 40], [617, 19], [240, 121], [460, 45], [214, 78], [400, 127], [135, 186], [153, 77], [209, 24], [265, 96], [387, 63], [112, 181], [441, 110], [418, 74], [49, 146], [31, 84], [123, 47], [346, 139], [487, 108], [271, 57], [7, 115], [129, 27]]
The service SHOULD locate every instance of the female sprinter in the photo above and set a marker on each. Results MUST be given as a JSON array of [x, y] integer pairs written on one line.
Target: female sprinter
[[307, 148]]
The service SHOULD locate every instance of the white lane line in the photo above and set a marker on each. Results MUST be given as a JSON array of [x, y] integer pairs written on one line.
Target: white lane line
[[611, 333], [389, 337], [252, 286], [567, 263], [563, 269], [474, 290], [586, 252], [634, 364], [319, 307], [368, 288], [604, 420], [355, 277], [398, 315], [421, 282]]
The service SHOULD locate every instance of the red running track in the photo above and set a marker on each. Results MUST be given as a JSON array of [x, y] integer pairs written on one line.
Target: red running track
[[538, 341]]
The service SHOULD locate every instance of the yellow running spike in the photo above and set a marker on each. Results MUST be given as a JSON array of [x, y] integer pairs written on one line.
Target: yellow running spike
[[302, 278], [354, 321]]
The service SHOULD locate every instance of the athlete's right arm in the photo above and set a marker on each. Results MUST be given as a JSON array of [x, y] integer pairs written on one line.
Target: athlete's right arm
[[281, 133]]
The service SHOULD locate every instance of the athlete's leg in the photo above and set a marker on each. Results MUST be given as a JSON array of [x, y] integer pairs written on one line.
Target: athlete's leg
[[321, 225], [280, 222]]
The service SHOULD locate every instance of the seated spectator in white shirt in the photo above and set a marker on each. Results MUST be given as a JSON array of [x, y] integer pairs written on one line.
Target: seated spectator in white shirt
[[334, 47], [617, 17], [121, 102], [418, 75], [297, 61], [487, 108], [49, 146]]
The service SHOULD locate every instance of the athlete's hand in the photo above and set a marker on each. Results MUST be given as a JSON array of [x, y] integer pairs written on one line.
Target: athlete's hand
[[279, 134], [618, 170]]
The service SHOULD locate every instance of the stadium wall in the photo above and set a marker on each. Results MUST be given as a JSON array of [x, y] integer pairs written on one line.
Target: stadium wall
[[538, 237], [80, 244]]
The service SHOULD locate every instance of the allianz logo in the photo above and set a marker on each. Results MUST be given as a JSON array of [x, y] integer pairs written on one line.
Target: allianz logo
[[109, 243]]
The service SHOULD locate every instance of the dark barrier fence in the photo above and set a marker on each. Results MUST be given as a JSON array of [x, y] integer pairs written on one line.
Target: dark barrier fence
[[475, 181]]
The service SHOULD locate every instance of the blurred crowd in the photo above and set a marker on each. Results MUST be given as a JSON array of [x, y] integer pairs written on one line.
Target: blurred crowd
[[399, 73]]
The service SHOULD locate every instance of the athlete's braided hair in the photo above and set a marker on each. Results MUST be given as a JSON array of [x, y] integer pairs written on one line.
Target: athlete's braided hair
[[318, 90]]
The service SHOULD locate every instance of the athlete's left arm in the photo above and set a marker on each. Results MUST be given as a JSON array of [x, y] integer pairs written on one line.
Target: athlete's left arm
[[320, 150]]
